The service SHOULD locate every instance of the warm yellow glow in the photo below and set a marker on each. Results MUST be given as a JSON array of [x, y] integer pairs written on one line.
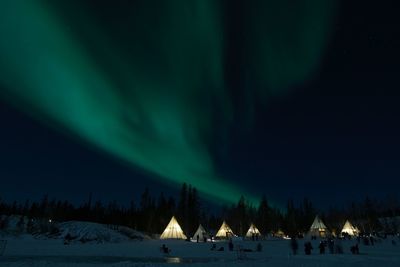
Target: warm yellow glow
[[349, 229], [173, 231], [253, 231], [201, 233], [224, 231], [318, 227]]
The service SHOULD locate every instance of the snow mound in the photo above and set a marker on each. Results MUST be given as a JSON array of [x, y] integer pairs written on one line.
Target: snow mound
[[83, 232], [132, 234], [70, 231]]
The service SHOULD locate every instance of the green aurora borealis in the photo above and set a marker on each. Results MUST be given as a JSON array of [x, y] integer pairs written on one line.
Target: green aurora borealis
[[143, 81]]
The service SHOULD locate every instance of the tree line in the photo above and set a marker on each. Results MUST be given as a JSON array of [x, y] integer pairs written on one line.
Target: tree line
[[152, 214]]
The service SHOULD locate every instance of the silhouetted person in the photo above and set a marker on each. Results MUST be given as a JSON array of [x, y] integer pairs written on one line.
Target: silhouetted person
[[165, 249], [339, 247], [197, 237], [204, 239], [331, 245], [321, 248], [294, 245], [354, 249], [259, 247], [230, 245], [307, 248]]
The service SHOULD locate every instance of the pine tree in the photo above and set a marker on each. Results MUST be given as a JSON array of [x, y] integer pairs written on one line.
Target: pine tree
[[291, 219], [241, 211], [144, 211], [370, 214], [21, 225], [193, 210], [308, 215], [264, 216], [162, 213], [171, 207], [183, 207], [43, 209]]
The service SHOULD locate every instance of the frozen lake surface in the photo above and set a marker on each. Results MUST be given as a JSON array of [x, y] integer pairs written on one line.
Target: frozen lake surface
[[27, 251]]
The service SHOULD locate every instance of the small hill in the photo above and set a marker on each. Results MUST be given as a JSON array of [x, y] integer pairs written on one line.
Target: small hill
[[69, 232], [84, 232]]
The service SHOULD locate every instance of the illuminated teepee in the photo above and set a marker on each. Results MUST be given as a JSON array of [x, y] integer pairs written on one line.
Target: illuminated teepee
[[279, 233], [318, 228], [253, 231], [201, 232], [173, 231], [225, 231], [349, 229]]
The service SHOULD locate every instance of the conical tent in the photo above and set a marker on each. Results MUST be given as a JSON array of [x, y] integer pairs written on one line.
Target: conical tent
[[201, 233], [349, 229], [318, 228], [253, 231], [173, 231], [279, 233], [225, 231]]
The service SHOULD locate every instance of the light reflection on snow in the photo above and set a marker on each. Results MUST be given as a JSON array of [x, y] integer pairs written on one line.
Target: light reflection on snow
[[173, 260]]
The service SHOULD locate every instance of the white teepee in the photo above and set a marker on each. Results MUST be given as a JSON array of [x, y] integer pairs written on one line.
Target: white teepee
[[253, 231], [318, 228], [173, 231], [279, 233], [349, 229], [201, 232], [225, 231]]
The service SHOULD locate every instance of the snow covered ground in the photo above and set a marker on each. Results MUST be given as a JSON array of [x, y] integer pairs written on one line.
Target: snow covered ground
[[93, 244], [26, 250]]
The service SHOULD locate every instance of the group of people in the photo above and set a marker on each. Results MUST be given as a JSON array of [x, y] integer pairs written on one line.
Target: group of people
[[214, 247], [231, 247], [366, 240], [254, 236], [334, 247], [164, 249], [198, 238]]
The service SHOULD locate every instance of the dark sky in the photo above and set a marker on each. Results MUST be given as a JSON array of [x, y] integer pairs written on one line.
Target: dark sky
[[333, 138]]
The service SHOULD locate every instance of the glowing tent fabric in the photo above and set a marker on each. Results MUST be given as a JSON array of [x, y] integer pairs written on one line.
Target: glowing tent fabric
[[318, 228], [201, 232], [224, 231], [349, 229], [279, 233], [253, 231], [173, 230]]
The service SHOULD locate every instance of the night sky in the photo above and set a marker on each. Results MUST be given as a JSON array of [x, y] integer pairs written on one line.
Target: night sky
[[234, 97]]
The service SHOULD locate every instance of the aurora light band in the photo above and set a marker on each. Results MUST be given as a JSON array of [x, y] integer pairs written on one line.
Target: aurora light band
[[142, 91]]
